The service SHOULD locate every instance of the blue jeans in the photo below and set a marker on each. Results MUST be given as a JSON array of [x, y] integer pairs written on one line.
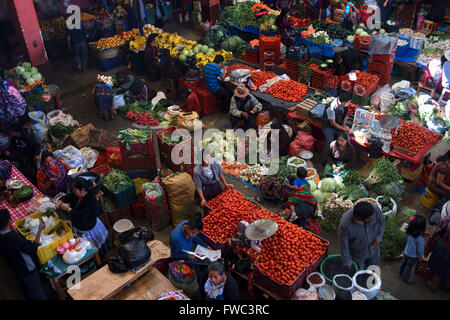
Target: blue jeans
[[81, 54], [364, 263], [406, 267]]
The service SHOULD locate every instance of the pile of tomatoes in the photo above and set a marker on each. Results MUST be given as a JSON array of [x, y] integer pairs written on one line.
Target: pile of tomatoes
[[366, 79], [313, 66], [238, 66], [283, 256], [142, 118], [259, 78], [288, 90], [413, 137]]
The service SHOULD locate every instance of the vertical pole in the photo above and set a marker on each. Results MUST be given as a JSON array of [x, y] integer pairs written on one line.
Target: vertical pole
[[23, 15]]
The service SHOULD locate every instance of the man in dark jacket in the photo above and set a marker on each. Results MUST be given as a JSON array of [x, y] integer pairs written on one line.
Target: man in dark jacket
[[135, 86], [25, 151], [20, 255]]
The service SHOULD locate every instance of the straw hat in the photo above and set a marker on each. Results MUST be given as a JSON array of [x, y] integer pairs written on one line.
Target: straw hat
[[447, 55], [241, 92]]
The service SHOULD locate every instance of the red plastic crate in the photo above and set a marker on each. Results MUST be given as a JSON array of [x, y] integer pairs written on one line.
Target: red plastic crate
[[269, 43], [292, 75], [213, 244], [380, 67], [103, 169], [269, 55], [331, 81], [137, 148], [316, 264], [292, 65], [137, 210], [207, 101], [167, 163], [366, 91], [382, 58], [165, 147], [346, 84], [139, 163], [190, 84], [358, 44], [251, 56], [282, 290]]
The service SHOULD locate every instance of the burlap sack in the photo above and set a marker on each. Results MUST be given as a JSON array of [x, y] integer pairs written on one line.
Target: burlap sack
[[79, 138], [187, 120], [180, 190]]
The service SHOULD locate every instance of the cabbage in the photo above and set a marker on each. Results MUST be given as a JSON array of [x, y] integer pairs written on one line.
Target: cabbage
[[26, 75], [364, 34], [37, 77], [361, 25], [350, 39], [340, 186], [359, 31], [382, 31], [34, 70], [20, 70], [26, 65], [328, 185], [312, 185], [30, 81], [204, 49], [182, 57], [322, 197]]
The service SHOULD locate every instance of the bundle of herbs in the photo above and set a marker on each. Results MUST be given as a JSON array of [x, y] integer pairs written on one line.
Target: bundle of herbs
[[61, 131], [117, 181], [394, 239]]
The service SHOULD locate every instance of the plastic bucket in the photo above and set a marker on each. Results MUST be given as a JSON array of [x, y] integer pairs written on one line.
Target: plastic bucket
[[343, 293], [123, 225], [429, 198], [315, 285], [328, 259]]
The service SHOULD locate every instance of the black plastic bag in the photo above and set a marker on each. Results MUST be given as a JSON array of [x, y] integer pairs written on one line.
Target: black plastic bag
[[135, 253], [141, 233], [117, 265]]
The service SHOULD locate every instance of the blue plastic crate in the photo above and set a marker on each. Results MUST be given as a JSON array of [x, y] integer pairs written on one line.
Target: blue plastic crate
[[122, 198], [106, 65], [297, 52]]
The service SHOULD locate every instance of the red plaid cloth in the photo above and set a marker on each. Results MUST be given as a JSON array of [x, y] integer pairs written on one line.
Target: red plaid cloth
[[23, 209]]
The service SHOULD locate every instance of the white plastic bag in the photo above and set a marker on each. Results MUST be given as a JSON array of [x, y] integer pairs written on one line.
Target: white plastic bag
[[375, 101], [159, 96], [73, 256], [90, 156], [39, 125], [303, 294], [401, 85], [71, 155], [118, 101]]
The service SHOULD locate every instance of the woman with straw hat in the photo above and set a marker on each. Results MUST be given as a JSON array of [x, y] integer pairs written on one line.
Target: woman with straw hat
[[244, 109]]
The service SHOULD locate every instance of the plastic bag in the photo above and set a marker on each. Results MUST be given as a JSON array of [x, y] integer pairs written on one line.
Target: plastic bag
[[118, 101], [172, 111], [39, 125], [303, 141], [71, 155], [375, 101], [303, 294], [381, 44], [73, 256], [90, 156], [140, 233], [317, 112], [135, 253], [117, 265], [159, 96], [401, 85]]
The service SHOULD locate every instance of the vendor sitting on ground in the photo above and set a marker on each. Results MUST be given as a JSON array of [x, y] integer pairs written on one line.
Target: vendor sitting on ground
[[360, 233], [21, 256], [334, 118], [346, 61], [244, 109], [51, 98], [52, 177], [24, 150], [439, 181], [192, 102], [218, 284], [136, 87], [81, 206], [206, 178], [184, 237], [103, 97], [341, 155], [303, 203], [283, 138]]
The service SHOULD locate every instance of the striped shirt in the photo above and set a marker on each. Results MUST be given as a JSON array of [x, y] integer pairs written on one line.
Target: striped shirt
[[210, 73], [355, 239]]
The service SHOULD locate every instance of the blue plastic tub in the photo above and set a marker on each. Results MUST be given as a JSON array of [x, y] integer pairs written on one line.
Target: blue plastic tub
[[402, 50], [327, 50], [106, 65], [315, 52]]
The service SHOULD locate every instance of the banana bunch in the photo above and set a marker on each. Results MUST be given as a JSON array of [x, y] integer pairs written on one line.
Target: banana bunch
[[87, 17], [203, 59], [172, 42], [148, 29], [138, 43]]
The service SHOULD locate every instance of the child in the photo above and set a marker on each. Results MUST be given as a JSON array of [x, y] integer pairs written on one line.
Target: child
[[192, 103], [301, 175], [414, 246]]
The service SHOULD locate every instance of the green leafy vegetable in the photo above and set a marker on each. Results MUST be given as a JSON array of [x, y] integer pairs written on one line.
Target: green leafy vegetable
[[117, 181], [394, 240]]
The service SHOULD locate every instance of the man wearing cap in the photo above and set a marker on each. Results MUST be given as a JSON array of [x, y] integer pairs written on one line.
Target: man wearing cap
[[244, 109]]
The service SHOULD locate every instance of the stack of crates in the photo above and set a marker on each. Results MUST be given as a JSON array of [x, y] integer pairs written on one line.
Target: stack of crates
[[138, 155], [292, 69], [251, 56], [297, 52], [269, 52], [318, 77], [165, 151], [304, 72], [381, 65]]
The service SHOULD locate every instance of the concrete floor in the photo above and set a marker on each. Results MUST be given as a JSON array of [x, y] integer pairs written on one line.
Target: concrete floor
[[78, 102]]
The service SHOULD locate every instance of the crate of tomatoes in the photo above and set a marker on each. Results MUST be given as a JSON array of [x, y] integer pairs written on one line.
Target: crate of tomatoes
[[365, 84]]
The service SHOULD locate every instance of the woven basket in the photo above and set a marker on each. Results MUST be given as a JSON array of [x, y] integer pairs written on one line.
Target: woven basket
[[108, 53], [189, 287]]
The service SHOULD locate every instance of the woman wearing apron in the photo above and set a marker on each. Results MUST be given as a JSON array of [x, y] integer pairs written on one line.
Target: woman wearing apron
[[206, 178]]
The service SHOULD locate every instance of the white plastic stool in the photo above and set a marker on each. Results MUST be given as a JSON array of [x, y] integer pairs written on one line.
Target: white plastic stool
[[441, 100]]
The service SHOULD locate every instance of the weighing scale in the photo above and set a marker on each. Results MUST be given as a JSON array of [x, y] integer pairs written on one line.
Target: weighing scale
[[252, 234]]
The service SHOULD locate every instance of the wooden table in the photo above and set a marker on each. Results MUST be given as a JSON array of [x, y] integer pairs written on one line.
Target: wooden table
[[149, 287], [103, 284]]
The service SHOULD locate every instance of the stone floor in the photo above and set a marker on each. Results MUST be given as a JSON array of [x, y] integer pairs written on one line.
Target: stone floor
[[78, 102]]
